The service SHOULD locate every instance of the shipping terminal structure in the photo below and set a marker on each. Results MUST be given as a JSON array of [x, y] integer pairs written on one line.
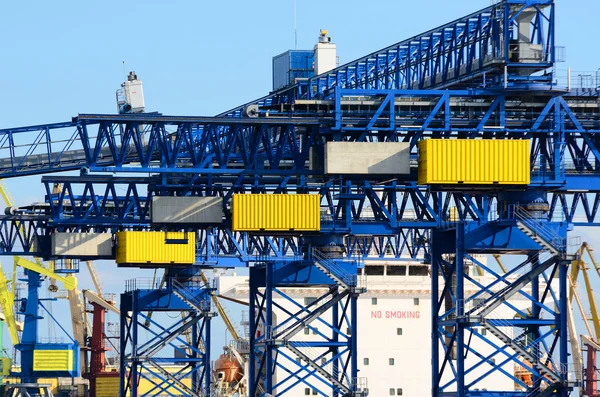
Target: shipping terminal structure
[[441, 151]]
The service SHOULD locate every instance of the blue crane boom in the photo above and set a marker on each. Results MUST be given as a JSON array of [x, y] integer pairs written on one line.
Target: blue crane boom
[[503, 45]]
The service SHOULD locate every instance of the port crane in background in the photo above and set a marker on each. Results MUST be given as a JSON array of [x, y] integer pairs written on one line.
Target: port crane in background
[[231, 368], [102, 381], [488, 76], [587, 368], [38, 359]]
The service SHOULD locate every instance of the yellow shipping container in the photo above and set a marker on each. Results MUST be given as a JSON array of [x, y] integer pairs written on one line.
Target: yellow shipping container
[[107, 386], [276, 212], [53, 360], [474, 162], [156, 248]]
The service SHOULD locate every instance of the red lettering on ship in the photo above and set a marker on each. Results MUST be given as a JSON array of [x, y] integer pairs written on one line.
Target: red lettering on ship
[[400, 314]]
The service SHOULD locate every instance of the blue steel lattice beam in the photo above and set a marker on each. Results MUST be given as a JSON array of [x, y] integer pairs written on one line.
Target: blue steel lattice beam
[[499, 46], [250, 151]]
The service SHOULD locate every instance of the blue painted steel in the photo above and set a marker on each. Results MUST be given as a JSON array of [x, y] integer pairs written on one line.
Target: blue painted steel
[[326, 364], [29, 308], [497, 65], [458, 318], [481, 50], [146, 359]]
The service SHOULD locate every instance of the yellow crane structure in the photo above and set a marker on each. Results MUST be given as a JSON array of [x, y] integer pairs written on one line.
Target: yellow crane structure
[[579, 266], [7, 298], [7, 302], [591, 320], [230, 326]]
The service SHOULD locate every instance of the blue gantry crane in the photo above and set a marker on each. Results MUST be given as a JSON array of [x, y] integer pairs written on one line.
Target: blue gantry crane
[[487, 78]]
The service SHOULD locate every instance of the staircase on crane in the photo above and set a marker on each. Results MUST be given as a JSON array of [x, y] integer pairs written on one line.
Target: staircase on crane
[[497, 299], [521, 350], [342, 277], [193, 297], [538, 230], [309, 316], [188, 392], [319, 369]]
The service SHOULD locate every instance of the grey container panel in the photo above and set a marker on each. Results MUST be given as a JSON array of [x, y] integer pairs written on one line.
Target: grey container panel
[[281, 69], [82, 245], [387, 158], [205, 210]]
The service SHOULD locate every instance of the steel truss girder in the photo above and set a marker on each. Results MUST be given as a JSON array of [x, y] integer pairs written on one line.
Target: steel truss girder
[[469, 52], [517, 335], [146, 359], [327, 364], [154, 142], [94, 201], [274, 152]]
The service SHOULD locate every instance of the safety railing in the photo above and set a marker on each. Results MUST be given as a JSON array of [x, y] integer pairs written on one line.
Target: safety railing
[[332, 268], [316, 356], [577, 80], [538, 224], [51, 339], [360, 386], [142, 283], [186, 292]]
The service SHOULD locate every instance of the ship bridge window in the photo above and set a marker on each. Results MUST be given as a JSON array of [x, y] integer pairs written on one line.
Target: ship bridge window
[[306, 391], [366, 361], [392, 391], [396, 271], [374, 270], [399, 331], [373, 301], [398, 391], [309, 300], [418, 270], [392, 361], [416, 301]]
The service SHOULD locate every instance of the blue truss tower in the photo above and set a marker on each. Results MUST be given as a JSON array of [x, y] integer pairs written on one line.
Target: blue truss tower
[[149, 359]]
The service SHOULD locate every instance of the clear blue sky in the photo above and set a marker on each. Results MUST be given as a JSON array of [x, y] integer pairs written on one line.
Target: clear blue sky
[[202, 57]]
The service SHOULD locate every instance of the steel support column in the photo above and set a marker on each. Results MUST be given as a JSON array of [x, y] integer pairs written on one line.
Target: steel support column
[[459, 293]]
